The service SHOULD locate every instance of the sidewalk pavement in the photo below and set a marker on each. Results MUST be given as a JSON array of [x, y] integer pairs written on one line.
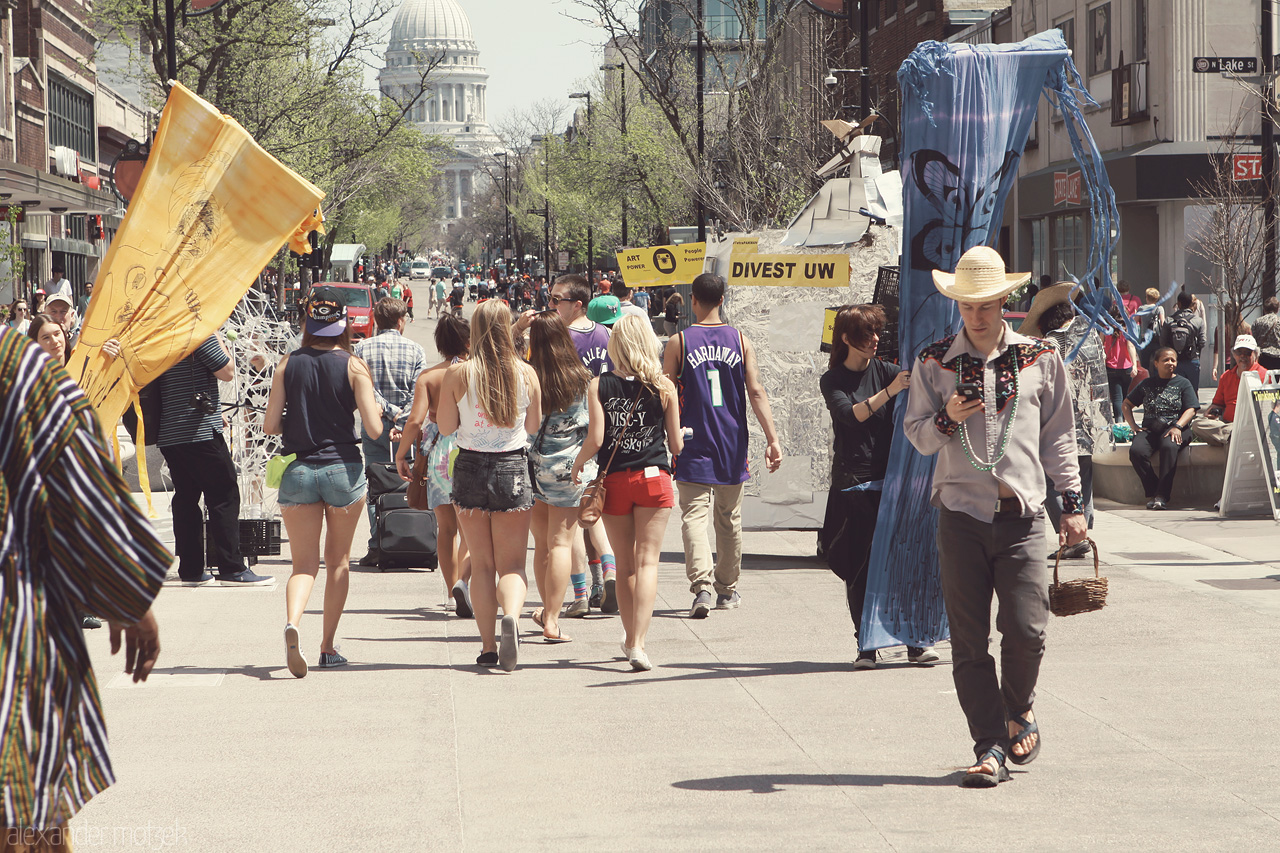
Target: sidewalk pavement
[[752, 731]]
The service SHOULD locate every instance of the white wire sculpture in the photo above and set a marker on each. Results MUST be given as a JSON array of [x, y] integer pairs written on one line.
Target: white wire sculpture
[[259, 336]]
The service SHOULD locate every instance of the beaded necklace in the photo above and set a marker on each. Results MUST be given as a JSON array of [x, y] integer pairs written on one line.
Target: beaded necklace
[[988, 467]]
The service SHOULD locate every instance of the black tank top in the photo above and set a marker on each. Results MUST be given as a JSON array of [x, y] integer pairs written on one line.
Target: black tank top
[[320, 405], [645, 442]]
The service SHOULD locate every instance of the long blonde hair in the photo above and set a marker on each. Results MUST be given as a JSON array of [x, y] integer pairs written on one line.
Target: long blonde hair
[[633, 349], [492, 370]]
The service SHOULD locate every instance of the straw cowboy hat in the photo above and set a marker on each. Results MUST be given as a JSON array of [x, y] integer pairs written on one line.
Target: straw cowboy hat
[[979, 277], [1045, 299]]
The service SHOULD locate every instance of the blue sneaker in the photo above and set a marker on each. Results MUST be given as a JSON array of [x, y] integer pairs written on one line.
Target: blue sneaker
[[245, 577]]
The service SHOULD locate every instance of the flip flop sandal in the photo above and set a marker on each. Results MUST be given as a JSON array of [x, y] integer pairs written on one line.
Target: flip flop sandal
[[987, 780], [558, 638], [1028, 729], [536, 616]]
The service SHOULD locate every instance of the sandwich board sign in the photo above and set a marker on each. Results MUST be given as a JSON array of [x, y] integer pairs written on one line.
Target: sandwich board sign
[[1252, 482]]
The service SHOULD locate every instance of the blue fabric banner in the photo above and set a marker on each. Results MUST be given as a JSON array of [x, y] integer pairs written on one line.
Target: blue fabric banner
[[966, 113]]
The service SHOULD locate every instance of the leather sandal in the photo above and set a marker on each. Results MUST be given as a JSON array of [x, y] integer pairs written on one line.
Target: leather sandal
[[985, 779], [1028, 729]]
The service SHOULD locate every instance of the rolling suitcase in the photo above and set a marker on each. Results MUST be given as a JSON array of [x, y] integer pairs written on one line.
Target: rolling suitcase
[[405, 538]]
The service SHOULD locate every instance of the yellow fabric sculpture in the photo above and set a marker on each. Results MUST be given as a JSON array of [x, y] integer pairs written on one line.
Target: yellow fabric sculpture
[[211, 209]]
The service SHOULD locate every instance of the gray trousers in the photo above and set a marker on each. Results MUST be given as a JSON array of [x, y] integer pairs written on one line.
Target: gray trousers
[[1007, 557]]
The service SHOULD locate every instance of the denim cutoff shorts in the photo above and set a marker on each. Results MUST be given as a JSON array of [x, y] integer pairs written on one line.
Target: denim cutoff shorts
[[492, 482], [337, 484]]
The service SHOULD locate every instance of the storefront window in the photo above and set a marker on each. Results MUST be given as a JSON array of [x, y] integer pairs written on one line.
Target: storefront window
[[1099, 35], [1040, 248], [1069, 249]]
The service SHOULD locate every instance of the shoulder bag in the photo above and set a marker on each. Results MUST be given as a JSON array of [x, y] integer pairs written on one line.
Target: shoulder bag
[[591, 507], [416, 494]]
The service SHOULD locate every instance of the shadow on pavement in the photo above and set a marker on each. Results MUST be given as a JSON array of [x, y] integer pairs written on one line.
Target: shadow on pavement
[[736, 670], [772, 783], [760, 562]]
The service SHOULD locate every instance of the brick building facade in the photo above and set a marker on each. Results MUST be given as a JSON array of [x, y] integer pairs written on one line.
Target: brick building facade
[[61, 131]]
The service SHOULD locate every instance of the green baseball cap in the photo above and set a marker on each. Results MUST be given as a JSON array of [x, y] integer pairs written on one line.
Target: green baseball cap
[[604, 309]]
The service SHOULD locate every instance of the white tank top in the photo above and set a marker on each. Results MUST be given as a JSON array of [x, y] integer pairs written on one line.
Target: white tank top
[[475, 432]]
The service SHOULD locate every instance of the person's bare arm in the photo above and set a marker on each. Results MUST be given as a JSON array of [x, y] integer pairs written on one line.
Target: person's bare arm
[[532, 415], [366, 400], [413, 425], [1127, 410], [671, 419], [447, 416], [760, 405], [595, 430], [671, 357], [273, 418], [228, 371]]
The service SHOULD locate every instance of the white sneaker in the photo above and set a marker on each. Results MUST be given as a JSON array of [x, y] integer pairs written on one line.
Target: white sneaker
[[639, 660], [924, 655]]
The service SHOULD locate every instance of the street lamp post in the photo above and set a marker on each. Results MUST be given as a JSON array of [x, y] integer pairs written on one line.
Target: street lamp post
[[506, 209], [545, 213], [700, 68], [621, 68], [591, 234]]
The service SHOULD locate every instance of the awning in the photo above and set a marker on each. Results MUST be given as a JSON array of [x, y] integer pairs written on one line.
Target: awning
[[42, 194], [1146, 173], [346, 253]]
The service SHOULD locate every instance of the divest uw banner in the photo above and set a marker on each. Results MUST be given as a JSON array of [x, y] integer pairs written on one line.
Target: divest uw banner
[[657, 266], [789, 270]]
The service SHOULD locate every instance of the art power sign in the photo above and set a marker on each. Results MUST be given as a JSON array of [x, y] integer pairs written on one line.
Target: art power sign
[[656, 266]]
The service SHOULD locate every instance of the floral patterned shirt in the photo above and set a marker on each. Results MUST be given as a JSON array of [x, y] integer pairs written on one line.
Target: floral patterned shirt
[[1038, 432]]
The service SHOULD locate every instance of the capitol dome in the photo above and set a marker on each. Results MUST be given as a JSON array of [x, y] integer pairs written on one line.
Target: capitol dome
[[434, 36], [430, 24]]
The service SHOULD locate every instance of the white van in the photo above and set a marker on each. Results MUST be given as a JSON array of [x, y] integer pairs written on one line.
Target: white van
[[420, 269]]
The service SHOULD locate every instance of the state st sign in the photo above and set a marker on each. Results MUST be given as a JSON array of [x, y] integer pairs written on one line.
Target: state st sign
[[1066, 188], [1246, 167]]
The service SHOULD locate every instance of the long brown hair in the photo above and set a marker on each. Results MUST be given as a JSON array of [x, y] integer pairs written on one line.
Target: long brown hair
[[492, 369], [554, 358], [859, 322]]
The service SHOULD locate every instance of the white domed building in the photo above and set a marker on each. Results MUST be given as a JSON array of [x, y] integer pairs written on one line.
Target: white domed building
[[455, 107]]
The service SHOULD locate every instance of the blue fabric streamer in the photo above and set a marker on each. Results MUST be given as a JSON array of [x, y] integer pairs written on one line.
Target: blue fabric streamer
[[966, 113], [872, 486]]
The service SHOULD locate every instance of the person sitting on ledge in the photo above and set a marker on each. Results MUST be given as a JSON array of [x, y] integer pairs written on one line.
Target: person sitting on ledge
[[1215, 425], [1168, 403]]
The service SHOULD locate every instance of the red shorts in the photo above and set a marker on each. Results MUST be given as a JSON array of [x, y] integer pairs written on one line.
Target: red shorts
[[626, 490]]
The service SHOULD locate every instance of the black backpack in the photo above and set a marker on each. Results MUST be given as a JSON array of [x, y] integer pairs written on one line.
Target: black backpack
[[1182, 333]]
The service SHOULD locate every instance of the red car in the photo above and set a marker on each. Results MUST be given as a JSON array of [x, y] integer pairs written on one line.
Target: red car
[[359, 299]]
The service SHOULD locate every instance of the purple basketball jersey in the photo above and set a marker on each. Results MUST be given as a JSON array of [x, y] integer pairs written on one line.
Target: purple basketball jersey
[[593, 348], [713, 402]]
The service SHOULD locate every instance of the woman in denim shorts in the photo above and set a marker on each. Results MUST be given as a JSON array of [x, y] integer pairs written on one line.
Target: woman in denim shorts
[[639, 496], [564, 381], [322, 384], [492, 400], [453, 337]]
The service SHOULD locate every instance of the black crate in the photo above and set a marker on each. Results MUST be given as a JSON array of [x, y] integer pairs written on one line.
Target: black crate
[[259, 537]]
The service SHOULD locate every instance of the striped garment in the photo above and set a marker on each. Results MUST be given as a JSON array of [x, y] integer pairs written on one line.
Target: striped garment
[[71, 542], [182, 420]]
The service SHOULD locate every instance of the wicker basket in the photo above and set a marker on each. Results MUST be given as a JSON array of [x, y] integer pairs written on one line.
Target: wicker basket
[[1079, 595]]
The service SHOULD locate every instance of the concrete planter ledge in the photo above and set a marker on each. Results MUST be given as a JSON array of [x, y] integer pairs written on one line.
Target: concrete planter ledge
[[1201, 470]]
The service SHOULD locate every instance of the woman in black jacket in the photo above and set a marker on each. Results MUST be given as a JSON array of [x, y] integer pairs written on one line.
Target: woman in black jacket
[[860, 390]]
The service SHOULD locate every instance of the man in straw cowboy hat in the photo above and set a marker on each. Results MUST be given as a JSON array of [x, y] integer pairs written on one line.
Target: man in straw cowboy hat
[[989, 486]]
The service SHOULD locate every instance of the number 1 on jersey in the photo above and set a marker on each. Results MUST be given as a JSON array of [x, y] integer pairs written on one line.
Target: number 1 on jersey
[[717, 396]]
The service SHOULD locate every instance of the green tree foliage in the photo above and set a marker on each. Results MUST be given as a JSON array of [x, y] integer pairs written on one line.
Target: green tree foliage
[[291, 72]]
